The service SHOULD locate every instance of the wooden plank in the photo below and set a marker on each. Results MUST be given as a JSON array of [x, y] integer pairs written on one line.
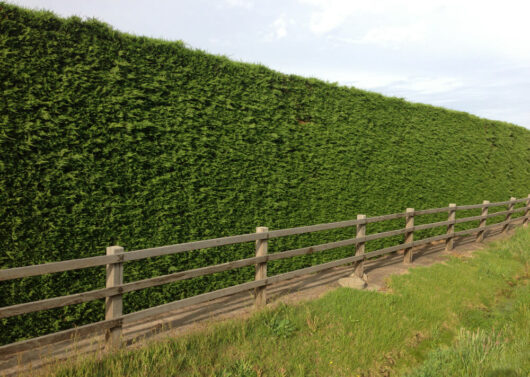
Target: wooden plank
[[177, 276], [468, 231], [467, 219], [114, 304], [479, 229], [521, 209], [432, 225], [450, 228], [377, 236], [336, 225], [333, 245], [332, 264], [53, 267], [44, 340], [188, 274], [358, 269], [509, 214], [132, 317], [496, 225], [190, 246], [471, 206], [74, 264], [520, 218], [311, 228], [431, 239], [388, 250], [377, 219], [409, 236], [336, 263], [527, 212], [482, 224], [260, 299], [498, 204], [102, 260], [56, 302], [431, 211], [311, 249], [161, 309], [312, 269], [106, 259], [78, 298], [495, 214], [48, 268]]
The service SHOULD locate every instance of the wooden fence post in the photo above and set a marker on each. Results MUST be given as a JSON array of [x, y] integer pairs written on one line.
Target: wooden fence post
[[114, 304], [260, 299], [509, 215], [409, 236], [482, 224], [359, 248], [450, 227], [527, 212]]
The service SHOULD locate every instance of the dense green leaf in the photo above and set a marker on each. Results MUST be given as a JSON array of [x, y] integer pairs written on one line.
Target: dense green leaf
[[108, 138]]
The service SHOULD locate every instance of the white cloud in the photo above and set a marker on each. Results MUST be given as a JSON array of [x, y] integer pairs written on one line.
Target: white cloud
[[329, 15], [427, 85], [367, 80], [484, 25], [278, 29], [247, 4], [392, 36], [395, 84]]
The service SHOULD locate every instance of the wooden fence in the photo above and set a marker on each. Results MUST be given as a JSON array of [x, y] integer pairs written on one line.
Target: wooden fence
[[113, 261]]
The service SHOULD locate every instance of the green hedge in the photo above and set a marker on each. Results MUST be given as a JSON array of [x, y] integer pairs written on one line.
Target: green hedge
[[108, 138]]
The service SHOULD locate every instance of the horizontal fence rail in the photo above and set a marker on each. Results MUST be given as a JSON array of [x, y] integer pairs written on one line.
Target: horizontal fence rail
[[115, 258]]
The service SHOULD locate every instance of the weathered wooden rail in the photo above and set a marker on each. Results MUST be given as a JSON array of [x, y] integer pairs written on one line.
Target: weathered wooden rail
[[113, 261]]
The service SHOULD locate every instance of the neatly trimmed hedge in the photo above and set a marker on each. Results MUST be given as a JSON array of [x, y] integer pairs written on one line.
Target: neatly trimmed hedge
[[108, 138]]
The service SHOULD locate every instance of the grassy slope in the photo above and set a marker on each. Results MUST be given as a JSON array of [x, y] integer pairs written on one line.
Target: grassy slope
[[108, 138], [468, 317]]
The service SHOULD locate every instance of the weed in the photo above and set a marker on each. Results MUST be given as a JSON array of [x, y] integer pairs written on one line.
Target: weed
[[281, 327], [241, 368]]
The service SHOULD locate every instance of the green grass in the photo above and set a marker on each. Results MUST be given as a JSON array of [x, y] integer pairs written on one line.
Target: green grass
[[492, 343], [466, 317]]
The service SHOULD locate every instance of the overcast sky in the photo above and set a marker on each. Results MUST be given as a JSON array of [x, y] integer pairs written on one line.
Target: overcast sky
[[465, 55]]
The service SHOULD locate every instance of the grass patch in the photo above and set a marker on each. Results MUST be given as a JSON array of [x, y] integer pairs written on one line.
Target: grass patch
[[492, 343], [466, 317]]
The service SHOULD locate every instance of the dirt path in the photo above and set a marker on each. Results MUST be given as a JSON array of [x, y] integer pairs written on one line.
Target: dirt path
[[240, 305]]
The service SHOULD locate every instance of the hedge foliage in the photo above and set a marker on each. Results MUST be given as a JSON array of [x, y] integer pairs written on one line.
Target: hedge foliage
[[108, 138]]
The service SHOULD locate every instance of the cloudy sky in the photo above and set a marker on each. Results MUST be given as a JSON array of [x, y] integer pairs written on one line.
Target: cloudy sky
[[465, 55]]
